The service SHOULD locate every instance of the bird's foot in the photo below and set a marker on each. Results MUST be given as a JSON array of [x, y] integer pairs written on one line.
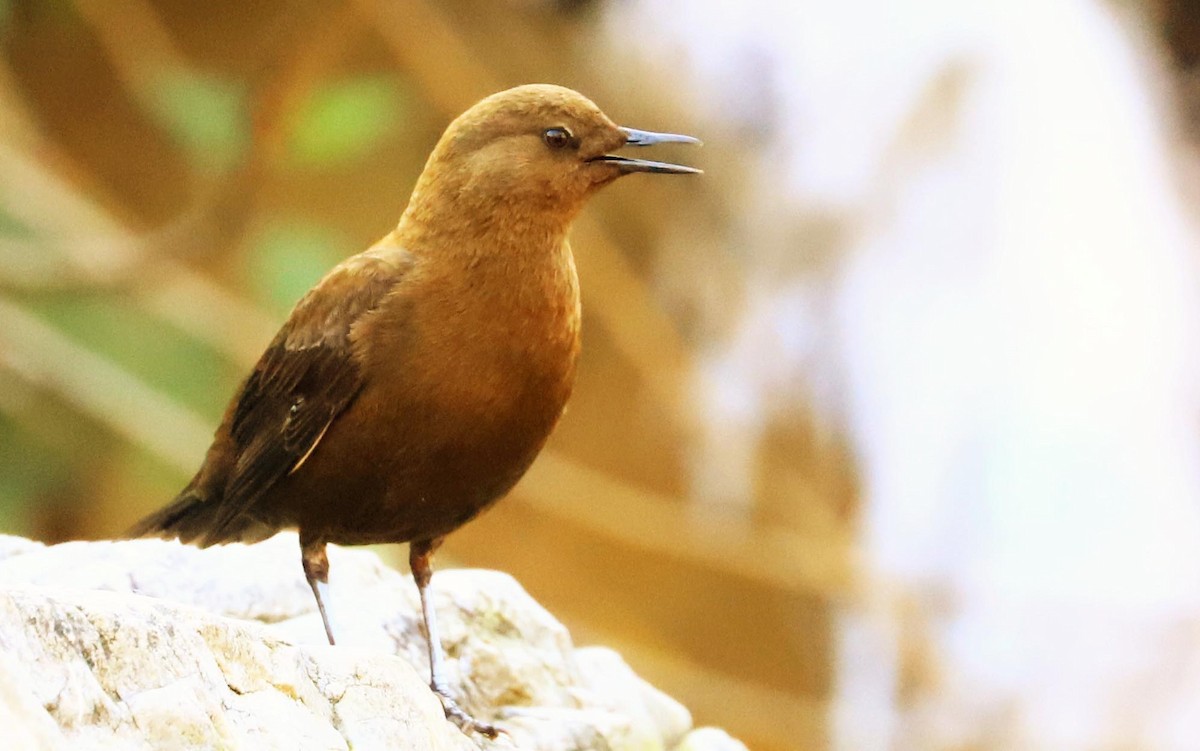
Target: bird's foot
[[462, 718]]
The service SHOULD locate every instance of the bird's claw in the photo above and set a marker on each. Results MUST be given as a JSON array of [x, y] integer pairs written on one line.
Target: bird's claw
[[462, 718]]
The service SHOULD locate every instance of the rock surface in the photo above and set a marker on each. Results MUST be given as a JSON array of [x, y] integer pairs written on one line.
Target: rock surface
[[146, 644]]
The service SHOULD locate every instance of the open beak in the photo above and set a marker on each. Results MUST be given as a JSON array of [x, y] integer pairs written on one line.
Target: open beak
[[634, 137]]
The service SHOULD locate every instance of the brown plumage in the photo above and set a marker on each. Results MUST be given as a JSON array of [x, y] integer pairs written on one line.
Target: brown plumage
[[415, 383]]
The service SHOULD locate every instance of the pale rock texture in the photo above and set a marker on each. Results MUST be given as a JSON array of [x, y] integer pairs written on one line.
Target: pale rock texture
[[147, 644]]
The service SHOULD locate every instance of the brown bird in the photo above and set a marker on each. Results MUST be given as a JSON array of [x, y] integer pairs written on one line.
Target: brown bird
[[414, 384]]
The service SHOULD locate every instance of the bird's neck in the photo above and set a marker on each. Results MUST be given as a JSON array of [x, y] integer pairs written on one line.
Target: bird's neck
[[479, 238], [507, 253], [454, 214]]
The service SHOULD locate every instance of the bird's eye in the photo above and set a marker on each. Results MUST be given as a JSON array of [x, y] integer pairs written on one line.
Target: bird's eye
[[557, 138]]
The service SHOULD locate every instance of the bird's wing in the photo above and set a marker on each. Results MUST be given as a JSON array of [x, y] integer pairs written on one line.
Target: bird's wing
[[305, 379]]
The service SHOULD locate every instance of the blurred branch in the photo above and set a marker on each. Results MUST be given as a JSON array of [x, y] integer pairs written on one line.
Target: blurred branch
[[101, 252], [561, 488], [425, 45], [306, 64], [19, 129], [138, 45], [206, 115], [40, 355], [98, 252]]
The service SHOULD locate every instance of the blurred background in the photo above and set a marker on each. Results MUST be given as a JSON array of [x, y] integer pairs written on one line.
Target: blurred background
[[885, 433]]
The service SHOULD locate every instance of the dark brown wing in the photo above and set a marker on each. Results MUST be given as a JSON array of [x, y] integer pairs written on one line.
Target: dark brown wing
[[304, 380]]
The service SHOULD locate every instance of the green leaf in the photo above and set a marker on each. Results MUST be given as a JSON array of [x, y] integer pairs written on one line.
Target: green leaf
[[344, 120], [286, 258], [207, 115], [11, 226]]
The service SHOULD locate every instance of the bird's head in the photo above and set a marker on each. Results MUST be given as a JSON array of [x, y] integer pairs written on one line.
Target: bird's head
[[532, 150]]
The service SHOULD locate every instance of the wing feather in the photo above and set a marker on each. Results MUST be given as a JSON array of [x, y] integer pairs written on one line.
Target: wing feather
[[303, 381]]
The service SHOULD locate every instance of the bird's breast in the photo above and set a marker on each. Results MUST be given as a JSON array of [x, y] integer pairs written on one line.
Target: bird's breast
[[502, 345], [487, 352]]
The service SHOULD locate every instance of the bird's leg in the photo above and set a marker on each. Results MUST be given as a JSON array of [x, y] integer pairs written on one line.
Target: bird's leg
[[316, 570], [420, 556]]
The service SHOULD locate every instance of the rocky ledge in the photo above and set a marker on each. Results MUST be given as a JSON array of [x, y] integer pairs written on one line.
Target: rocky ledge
[[147, 644]]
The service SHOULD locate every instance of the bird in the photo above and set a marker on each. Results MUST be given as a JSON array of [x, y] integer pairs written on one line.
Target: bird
[[416, 382]]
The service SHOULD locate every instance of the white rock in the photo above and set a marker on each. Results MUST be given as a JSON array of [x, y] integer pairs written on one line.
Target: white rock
[[227, 651], [710, 739], [27, 726]]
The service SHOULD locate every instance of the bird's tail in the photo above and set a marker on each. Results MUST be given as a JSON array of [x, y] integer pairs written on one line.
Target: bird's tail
[[187, 518], [193, 517]]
